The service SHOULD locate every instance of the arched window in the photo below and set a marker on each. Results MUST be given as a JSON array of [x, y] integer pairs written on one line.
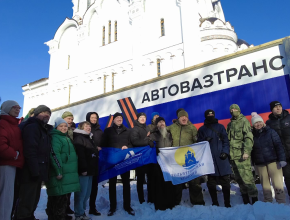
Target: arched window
[[103, 40], [116, 30], [162, 27], [158, 67], [109, 32]]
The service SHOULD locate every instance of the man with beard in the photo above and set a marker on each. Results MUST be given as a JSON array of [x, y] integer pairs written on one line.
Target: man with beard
[[164, 196], [97, 132], [279, 120], [184, 133], [241, 144], [36, 149], [216, 135], [139, 137]]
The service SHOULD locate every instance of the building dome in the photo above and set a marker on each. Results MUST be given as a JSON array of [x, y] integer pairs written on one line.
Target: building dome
[[241, 42]]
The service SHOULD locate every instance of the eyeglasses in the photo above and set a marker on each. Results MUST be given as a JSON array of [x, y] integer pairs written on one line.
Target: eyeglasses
[[17, 107]]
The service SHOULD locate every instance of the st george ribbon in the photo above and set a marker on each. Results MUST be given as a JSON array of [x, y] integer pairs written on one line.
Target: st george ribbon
[[114, 161], [182, 164]]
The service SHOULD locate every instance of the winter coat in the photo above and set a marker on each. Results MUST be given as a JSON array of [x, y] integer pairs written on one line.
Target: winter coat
[[10, 142], [240, 137], [138, 136], [87, 153], [182, 134], [96, 129], [282, 126], [152, 127], [267, 147], [218, 144], [116, 136], [63, 161], [161, 142], [36, 148]]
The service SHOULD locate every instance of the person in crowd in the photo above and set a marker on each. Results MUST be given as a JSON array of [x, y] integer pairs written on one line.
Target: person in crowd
[[269, 157], [29, 114], [140, 137], [63, 172], [73, 126], [152, 127], [279, 120], [184, 133], [36, 149], [97, 132], [11, 155], [216, 135], [68, 117], [241, 144], [87, 167], [163, 191], [177, 111], [118, 136]]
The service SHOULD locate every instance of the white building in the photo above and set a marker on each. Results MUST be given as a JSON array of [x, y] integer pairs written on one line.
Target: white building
[[110, 44]]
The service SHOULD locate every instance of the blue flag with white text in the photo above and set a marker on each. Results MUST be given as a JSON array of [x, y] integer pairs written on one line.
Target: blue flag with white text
[[115, 161]]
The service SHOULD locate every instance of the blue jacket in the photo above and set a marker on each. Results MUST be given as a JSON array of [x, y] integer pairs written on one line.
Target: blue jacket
[[268, 147], [217, 146]]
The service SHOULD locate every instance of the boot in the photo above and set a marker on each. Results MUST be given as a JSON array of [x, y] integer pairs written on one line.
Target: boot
[[111, 211], [246, 199], [213, 195], [94, 212], [254, 199], [130, 211]]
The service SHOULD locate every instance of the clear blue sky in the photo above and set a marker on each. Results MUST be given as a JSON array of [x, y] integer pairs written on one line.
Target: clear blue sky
[[27, 24]]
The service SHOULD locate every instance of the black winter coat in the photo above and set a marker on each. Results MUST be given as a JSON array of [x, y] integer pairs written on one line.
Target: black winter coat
[[96, 129], [282, 127], [138, 136], [116, 136], [267, 147], [88, 156], [36, 148], [217, 146]]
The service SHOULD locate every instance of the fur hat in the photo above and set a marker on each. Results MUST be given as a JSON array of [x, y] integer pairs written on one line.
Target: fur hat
[[182, 113], [256, 118]]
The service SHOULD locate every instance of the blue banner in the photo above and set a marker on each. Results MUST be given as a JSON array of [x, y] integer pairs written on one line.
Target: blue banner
[[114, 161]]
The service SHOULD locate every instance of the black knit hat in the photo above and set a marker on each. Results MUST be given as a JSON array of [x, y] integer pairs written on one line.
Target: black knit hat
[[178, 110], [274, 104], [41, 108], [117, 114], [141, 114], [159, 119], [208, 112]]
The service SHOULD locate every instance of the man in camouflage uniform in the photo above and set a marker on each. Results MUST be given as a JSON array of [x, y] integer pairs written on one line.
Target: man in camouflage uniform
[[184, 133], [241, 144]]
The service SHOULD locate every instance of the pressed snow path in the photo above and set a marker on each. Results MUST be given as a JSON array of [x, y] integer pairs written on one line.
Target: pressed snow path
[[259, 211]]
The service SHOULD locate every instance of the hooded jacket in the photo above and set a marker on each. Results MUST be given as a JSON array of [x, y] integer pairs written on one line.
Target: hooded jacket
[[87, 153], [36, 148], [64, 161], [282, 126], [10, 142], [96, 129]]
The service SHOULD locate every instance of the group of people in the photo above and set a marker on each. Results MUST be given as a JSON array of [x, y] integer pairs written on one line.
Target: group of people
[[66, 159]]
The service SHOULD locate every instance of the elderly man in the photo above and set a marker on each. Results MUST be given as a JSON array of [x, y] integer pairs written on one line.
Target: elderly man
[[184, 133], [36, 148], [118, 136], [69, 118], [279, 120], [241, 144], [164, 196]]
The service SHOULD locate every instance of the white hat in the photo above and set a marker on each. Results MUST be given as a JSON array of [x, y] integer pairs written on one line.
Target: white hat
[[256, 118]]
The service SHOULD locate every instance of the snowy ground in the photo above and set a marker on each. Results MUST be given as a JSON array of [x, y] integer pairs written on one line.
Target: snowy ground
[[259, 211]]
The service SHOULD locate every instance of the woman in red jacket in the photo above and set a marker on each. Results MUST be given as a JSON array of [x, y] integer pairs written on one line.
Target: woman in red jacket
[[11, 155]]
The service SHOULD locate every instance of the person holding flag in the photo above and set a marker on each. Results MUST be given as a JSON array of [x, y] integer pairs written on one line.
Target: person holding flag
[[118, 136]]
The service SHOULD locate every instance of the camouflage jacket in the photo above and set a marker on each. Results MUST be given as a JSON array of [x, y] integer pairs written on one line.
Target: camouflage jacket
[[183, 135], [240, 137]]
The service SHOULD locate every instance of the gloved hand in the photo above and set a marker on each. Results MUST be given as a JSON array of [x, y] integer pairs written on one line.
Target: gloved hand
[[223, 156], [282, 164], [151, 143], [208, 139]]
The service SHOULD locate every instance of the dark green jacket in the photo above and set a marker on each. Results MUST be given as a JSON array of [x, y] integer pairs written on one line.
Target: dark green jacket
[[183, 135], [240, 137], [64, 161]]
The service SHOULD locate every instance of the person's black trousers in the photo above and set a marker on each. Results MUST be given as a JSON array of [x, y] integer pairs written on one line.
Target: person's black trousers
[[141, 172], [224, 181], [126, 191], [94, 193], [56, 207]]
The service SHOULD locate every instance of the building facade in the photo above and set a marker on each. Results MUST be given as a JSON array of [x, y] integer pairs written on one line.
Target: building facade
[[110, 44]]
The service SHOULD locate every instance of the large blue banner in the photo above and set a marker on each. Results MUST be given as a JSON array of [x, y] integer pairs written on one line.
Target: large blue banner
[[114, 161]]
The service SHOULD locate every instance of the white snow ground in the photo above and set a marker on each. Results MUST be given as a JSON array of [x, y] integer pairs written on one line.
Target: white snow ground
[[239, 211]]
